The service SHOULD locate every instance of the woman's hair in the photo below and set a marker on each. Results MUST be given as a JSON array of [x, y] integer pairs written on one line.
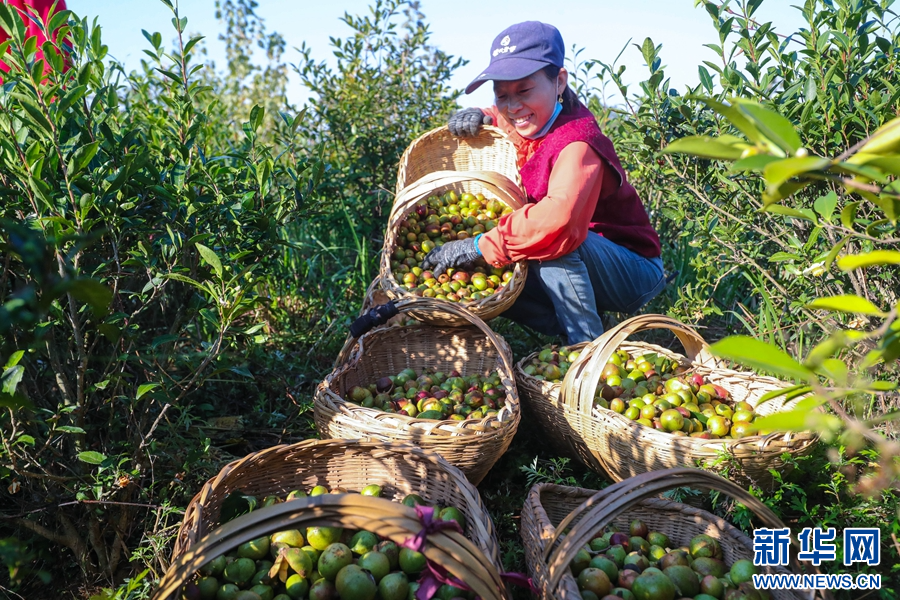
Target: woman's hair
[[570, 100]]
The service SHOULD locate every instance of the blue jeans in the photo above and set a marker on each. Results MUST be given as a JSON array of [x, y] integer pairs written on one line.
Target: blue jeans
[[565, 296]]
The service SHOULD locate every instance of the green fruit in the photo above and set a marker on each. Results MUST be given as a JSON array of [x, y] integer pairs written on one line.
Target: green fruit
[[391, 551], [594, 580], [742, 571], [413, 588], [282, 597], [296, 586], [708, 566], [623, 593], [333, 559], [653, 586], [394, 586], [606, 565], [617, 554], [363, 542], [371, 490], [291, 537], [321, 537], [685, 580], [675, 557], [295, 495], [227, 592], [262, 574], [375, 563], [208, 587], [711, 586], [322, 590], [599, 544], [707, 597], [414, 500], [254, 549], [240, 571], [672, 420], [451, 513], [703, 545], [637, 528], [353, 583], [299, 561], [580, 562], [313, 553], [247, 595], [411, 562], [263, 591], [321, 490], [637, 559], [449, 592], [588, 595], [214, 567], [640, 544], [656, 553]]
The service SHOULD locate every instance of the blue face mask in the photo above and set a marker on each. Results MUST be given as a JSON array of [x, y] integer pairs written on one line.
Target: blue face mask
[[546, 127]]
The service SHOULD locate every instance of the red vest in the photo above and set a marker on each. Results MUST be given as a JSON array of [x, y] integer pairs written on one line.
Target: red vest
[[620, 216]]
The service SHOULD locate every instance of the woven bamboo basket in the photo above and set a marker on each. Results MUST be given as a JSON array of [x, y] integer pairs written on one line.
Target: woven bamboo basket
[[351, 464], [438, 150], [623, 448], [492, 185], [472, 445], [557, 521], [541, 403]]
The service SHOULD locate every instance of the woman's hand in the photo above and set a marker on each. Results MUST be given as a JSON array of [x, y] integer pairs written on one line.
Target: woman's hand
[[467, 122], [450, 255]]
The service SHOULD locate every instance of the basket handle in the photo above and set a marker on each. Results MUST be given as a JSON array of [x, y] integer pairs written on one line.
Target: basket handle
[[391, 520], [602, 508], [427, 184], [416, 304], [583, 376]]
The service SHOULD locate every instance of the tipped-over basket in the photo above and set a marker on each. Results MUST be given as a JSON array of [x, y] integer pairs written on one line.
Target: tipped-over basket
[[439, 150], [473, 445], [400, 469], [492, 185], [557, 521], [624, 448]]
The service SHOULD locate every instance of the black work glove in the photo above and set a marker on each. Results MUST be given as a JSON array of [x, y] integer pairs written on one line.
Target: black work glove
[[451, 254], [467, 122], [376, 316]]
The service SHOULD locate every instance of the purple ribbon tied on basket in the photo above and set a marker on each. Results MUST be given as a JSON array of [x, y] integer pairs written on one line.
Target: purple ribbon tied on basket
[[435, 575]]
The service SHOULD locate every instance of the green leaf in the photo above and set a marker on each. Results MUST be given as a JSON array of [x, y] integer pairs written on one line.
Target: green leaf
[[757, 354], [832, 254], [757, 162], [775, 194], [869, 259], [82, 156], [91, 457], [791, 420], [211, 259], [704, 147], [772, 125], [825, 205], [144, 388], [11, 378], [847, 303], [885, 140], [705, 78], [848, 214], [826, 349], [779, 172], [14, 359], [92, 292], [784, 256], [191, 43], [882, 386], [25, 439], [70, 429], [787, 211], [789, 393]]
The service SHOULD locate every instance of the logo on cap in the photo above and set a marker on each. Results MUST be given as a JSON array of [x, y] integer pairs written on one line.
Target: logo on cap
[[505, 41]]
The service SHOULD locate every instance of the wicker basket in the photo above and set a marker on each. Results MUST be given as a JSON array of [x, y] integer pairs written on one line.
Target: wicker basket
[[472, 445], [400, 469], [541, 403], [624, 448], [491, 184], [550, 510], [438, 150]]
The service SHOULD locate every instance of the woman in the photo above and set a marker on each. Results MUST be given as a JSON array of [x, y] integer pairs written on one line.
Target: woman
[[589, 243]]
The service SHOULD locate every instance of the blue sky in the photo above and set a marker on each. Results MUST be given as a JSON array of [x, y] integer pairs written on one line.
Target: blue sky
[[462, 28]]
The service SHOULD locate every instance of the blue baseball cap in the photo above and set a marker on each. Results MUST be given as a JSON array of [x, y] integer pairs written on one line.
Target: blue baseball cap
[[520, 50]]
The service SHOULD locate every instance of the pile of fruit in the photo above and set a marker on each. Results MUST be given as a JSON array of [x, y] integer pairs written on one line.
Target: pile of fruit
[[441, 219], [641, 565], [657, 392], [320, 563], [433, 394]]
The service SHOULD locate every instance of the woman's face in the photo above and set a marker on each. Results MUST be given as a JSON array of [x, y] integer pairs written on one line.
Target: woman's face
[[529, 103]]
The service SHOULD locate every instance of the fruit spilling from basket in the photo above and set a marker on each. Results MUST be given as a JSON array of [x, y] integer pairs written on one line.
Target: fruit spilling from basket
[[643, 565], [656, 391], [433, 394], [441, 219], [320, 563]]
